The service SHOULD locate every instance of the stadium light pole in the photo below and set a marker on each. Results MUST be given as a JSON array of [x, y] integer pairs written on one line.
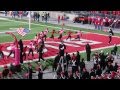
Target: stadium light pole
[[29, 20]]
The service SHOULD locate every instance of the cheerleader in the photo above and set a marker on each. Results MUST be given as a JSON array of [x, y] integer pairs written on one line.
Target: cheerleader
[[69, 35], [45, 33], [60, 34], [52, 35], [41, 34], [24, 52], [78, 35], [31, 49]]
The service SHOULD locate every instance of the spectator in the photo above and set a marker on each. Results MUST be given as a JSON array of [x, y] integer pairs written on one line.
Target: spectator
[[12, 68], [110, 67], [38, 17], [40, 74], [68, 58], [102, 60], [77, 75], [58, 19], [98, 71], [78, 59], [115, 67], [5, 72], [62, 76], [66, 74], [59, 69], [43, 16], [70, 75], [30, 71], [88, 51], [85, 74], [6, 13], [63, 63], [82, 64], [56, 61], [74, 65], [115, 49], [92, 73]]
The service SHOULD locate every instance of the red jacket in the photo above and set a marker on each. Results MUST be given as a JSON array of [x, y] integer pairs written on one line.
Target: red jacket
[[58, 17], [24, 49], [73, 57], [1, 47]]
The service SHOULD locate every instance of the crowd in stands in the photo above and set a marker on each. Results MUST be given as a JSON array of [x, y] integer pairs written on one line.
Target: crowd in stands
[[100, 18], [103, 67], [15, 14], [44, 16]]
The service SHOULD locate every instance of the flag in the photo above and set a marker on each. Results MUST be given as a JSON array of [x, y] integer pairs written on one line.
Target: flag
[[23, 31]]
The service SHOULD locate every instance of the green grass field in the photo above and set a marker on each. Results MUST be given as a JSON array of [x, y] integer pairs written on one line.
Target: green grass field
[[36, 27]]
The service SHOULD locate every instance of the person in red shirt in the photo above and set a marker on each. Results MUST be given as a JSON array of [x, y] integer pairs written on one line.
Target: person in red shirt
[[101, 24], [58, 19], [69, 35], [52, 35], [73, 57], [60, 34], [24, 52], [1, 52], [45, 33], [95, 23]]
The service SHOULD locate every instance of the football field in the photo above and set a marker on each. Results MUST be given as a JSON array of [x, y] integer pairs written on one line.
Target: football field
[[97, 39]]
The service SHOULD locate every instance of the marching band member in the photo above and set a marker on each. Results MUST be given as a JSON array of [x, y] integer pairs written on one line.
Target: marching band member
[[31, 48], [78, 35], [52, 35], [60, 34], [69, 35]]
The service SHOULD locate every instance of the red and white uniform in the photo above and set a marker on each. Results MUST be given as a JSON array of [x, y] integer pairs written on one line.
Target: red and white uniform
[[46, 31], [78, 33], [61, 31], [35, 38], [101, 22], [69, 33], [41, 34], [39, 40], [31, 45]]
